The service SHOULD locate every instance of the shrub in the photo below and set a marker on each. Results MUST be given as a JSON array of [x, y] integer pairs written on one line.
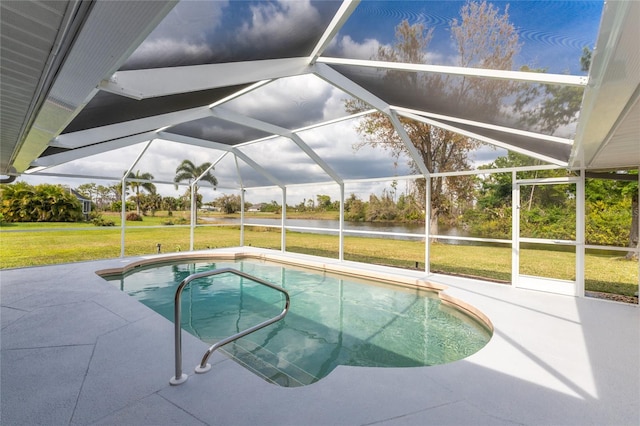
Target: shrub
[[22, 202], [98, 220], [178, 221], [101, 221], [134, 217]]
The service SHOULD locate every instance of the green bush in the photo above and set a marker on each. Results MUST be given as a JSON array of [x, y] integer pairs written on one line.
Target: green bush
[[134, 217], [178, 221], [608, 225], [22, 202], [98, 220]]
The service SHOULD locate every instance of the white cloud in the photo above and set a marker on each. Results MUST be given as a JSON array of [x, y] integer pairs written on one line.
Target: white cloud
[[190, 20], [162, 50], [349, 48], [181, 36], [334, 105], [289, 102], [271, 23]]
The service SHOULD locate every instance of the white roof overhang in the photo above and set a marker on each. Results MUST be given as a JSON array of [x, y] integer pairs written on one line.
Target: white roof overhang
[[608, 133]]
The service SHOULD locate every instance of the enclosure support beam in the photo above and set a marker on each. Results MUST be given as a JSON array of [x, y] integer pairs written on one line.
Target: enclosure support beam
[[283, 235], [156, 82], [411, 148], [515, 229], [532, 77], [482, 138], [242, 190], [123, 211], [580, 234], [427, 225], [194, 206], [341, 232], [340, 18], [123, 214], [216, 145], [272, 128], [241, 217], [86, 151]]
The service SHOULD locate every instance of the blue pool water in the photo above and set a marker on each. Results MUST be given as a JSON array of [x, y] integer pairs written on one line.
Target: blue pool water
[[332, 320]]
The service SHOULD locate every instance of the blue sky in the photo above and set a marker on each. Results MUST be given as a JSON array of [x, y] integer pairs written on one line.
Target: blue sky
[[552, 33]]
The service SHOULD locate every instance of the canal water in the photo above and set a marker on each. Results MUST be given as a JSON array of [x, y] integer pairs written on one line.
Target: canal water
[[403, 228]]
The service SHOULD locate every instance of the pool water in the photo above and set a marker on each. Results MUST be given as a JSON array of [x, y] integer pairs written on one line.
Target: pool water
[[332, 320]]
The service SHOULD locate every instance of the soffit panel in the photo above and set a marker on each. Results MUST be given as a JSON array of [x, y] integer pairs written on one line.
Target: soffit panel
[[27, 35], [97, 38], [623, 149]]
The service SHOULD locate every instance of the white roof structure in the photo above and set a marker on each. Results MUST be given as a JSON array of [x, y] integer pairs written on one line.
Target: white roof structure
[[84, 78]]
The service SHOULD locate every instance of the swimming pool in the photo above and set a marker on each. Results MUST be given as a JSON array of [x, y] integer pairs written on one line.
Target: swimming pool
[[333, 320]]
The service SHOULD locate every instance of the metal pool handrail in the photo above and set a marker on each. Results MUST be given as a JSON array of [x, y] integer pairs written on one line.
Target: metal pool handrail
[[203, 367]]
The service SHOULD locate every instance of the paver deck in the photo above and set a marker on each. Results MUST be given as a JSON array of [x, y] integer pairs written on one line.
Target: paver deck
[[75, 350]]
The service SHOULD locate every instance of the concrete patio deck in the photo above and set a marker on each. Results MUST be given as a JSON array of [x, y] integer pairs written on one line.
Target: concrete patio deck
[[75, 350]]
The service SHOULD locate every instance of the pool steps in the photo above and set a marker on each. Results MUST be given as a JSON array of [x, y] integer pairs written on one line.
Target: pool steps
[[269, 366]]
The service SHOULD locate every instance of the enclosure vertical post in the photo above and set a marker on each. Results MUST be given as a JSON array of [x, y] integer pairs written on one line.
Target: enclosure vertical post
[[341, 231], [283, 235], [580, 234], [515, 229], [194, 203], [242, 191], [427, 224], [241, 217], [123, 214], [124, 193]]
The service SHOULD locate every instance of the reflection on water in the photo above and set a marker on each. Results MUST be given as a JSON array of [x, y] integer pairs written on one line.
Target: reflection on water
[[332, 321]]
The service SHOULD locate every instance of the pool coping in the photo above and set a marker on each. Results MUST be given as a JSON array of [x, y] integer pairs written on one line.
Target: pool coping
[[76, 350]]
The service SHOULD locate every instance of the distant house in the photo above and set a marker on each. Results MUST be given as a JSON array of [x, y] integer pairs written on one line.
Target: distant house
[[86, 203], [256, 207]]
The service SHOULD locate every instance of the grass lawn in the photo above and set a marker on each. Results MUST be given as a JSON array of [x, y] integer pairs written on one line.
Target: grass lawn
[[608, 273]]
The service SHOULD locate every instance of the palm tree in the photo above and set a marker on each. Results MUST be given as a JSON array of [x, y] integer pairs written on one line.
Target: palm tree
[[137, 185], [190, 172], [187, 171]]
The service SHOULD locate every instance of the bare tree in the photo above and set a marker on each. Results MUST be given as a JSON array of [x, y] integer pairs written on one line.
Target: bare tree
[[486, 39]]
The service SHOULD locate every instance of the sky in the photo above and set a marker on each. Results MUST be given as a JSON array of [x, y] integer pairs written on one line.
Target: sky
[[552, 35]]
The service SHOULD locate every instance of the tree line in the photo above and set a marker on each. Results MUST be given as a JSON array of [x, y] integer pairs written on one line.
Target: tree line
[[547, 211]]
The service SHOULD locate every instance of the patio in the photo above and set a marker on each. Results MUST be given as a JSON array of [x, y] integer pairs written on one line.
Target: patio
[[75, 350]]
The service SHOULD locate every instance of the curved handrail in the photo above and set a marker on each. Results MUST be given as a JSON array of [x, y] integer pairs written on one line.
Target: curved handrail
[[203, 367]]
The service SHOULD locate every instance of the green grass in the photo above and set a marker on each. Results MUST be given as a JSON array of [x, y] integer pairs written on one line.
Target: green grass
[[603, 273]]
